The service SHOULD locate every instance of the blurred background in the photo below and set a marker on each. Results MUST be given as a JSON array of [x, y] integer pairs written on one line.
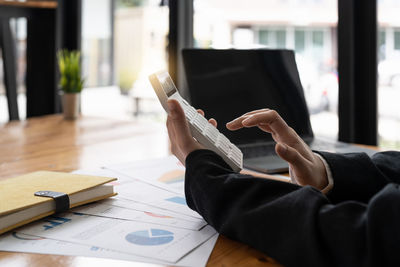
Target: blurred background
[[123, 41]]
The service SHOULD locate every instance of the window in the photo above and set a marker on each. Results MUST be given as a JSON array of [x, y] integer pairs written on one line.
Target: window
[[272, 38], [97, 42], [281, 38], [389, 74], [122, 45], [299, 41], [264, 37], [381, 45], [308, 27], [318, 38], [397, 40]]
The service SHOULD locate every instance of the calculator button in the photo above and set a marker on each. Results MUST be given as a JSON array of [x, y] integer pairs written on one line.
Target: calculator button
[[236, 151], [222, 138], [210, 134], [213, 131], [185, 102], [190, 114], [237, 160], [199, 122], [224, 147]]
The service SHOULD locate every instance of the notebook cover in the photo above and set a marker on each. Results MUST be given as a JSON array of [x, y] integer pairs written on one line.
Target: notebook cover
[[18, 193]]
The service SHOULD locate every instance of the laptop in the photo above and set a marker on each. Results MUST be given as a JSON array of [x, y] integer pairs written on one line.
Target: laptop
[[229, 83]]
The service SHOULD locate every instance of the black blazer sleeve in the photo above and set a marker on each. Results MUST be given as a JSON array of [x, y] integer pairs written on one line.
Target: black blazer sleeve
[[358, 177], [298, 226]]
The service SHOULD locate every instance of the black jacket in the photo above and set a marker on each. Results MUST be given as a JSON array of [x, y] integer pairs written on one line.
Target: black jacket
[[356, 224]]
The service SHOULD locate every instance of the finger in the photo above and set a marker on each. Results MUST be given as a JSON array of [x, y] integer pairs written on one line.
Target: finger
[[263, 118], [174, 146], [171, 130], [256, 111], [281, 132], [169, 127], [171, 133], [201, 112], [236, 124], [179, 123], [292, 156], [213, 122], [275, 123], [265, 128]]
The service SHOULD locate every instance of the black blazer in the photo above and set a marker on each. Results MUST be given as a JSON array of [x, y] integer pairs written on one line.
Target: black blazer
[[356, 224]]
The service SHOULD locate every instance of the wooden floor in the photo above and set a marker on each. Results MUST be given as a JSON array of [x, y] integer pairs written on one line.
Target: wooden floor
[[52, 143]]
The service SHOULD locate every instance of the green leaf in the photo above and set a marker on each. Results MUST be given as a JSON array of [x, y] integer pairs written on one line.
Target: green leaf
[[71, 80]]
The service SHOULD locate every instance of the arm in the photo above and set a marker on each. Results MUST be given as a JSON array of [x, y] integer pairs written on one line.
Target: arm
[[298, 226], [358, 177]]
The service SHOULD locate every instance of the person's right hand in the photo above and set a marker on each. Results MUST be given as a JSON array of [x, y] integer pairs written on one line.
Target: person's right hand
[[305, 167]]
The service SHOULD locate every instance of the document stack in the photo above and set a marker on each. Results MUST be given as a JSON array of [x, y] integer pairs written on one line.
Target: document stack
[[148, 221]]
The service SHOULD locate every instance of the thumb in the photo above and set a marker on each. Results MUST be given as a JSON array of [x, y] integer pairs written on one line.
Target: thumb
[[178, 120], [175, 110], [291, 155]]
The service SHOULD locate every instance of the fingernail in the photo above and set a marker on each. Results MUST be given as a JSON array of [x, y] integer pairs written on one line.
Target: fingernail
[[170, 105]]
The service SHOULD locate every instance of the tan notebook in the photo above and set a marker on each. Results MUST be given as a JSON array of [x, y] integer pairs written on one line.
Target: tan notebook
[[19, 205]]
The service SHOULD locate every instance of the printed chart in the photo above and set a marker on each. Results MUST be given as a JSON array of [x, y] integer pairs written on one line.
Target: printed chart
[[16, 241], [109, 211], [152, 237], [167, 173], [145, 239]]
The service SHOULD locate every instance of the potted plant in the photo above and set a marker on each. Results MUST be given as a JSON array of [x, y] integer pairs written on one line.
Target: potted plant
[[71, 82]]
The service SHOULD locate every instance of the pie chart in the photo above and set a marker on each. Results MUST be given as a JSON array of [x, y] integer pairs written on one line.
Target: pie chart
[[152, 237], [25, 237]]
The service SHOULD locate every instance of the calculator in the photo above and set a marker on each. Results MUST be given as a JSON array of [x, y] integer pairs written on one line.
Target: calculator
[[203, 131]]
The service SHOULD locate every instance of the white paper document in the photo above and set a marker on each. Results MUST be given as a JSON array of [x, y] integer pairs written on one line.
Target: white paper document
[[153, 196], [143, 239], [33, 244], [137, 190], [134, 205], [148, 221], [105, 210], [167, 172]]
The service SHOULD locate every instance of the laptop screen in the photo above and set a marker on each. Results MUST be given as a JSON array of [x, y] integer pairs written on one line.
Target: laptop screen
[[229, 83]]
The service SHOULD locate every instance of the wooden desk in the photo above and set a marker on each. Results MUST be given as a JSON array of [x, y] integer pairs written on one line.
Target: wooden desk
[[52, 143]]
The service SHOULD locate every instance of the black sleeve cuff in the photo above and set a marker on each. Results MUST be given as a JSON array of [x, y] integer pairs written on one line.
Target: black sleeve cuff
[[355, 176], [208, 155]]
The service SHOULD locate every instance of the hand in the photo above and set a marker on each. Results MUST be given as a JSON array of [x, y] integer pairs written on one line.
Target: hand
[[182, 142], [305, 167]]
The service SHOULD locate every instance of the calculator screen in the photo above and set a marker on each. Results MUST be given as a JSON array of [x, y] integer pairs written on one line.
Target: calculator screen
[[166, 83]]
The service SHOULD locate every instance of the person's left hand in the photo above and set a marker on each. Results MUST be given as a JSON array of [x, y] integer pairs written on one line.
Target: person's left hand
[[182, 142]]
